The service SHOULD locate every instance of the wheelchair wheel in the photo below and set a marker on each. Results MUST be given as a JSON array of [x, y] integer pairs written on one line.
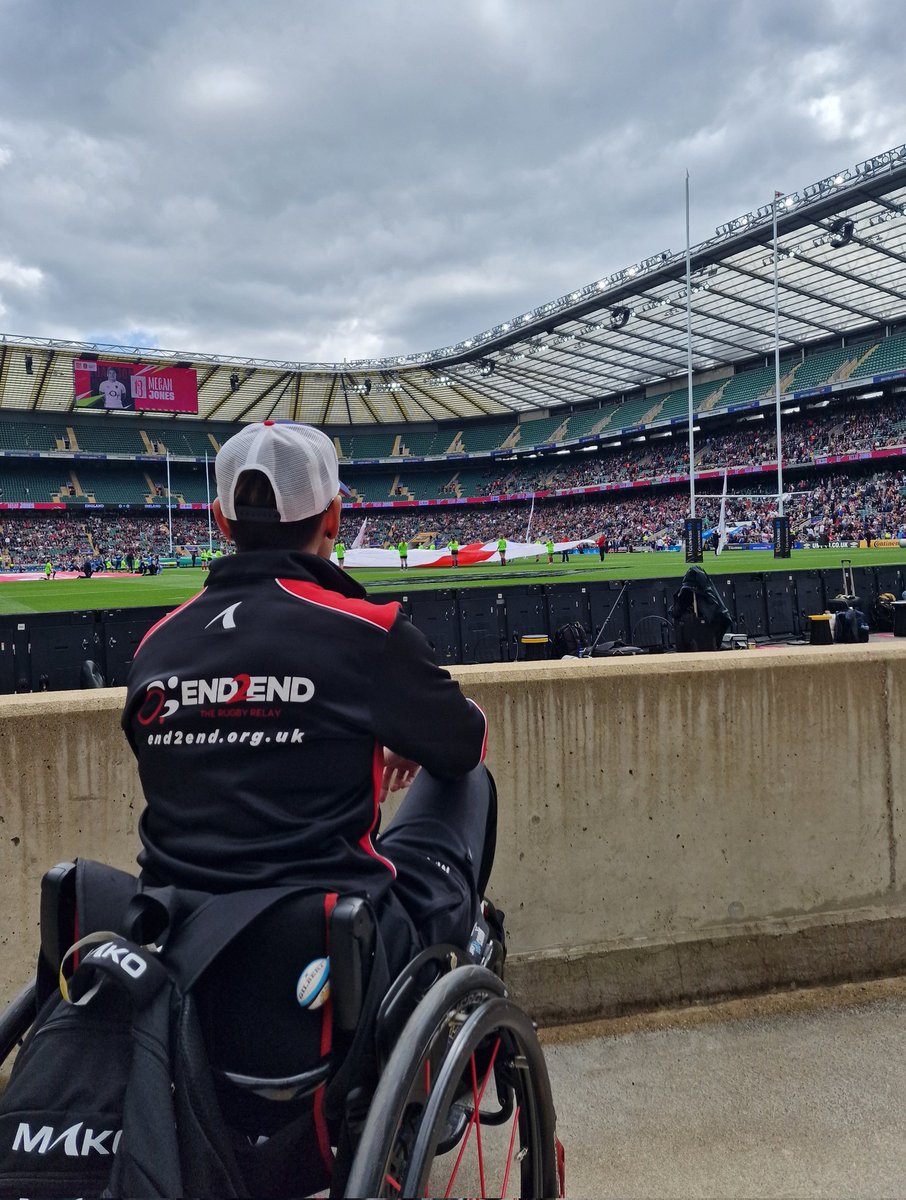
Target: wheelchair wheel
[[16, 1021], [464, 1105]]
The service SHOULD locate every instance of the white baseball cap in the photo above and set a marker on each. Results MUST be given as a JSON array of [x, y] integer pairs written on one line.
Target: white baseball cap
[[299, 460]]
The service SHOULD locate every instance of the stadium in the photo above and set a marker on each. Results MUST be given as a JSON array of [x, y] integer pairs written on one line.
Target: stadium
[[680, 833], [564, 430]]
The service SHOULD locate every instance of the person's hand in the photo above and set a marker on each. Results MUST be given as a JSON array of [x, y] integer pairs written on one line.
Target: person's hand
[[398, 773]]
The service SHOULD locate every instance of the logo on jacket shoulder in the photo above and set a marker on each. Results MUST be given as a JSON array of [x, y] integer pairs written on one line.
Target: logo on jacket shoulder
[[164, 698], [227, 618]]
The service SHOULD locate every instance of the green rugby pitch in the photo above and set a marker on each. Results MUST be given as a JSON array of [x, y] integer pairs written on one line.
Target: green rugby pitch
[[177, 585]]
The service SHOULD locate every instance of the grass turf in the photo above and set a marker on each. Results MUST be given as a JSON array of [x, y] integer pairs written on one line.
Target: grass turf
[[175, 586]]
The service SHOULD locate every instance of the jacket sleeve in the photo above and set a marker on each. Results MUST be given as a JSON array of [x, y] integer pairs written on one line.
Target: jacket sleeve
[[418, 710]]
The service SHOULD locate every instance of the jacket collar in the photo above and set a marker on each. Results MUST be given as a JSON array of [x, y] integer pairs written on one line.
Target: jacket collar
[[252, 566]]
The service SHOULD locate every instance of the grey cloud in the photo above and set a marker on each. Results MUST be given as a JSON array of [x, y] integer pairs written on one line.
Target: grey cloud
[[312, 181]]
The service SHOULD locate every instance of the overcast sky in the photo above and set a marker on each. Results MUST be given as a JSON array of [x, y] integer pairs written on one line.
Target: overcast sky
[[313, 181]]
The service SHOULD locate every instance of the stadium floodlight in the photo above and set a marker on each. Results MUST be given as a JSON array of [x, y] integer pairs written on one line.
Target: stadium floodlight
[[841, 232]]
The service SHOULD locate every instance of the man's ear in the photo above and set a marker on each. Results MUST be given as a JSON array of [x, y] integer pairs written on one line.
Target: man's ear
[[333, 514], [330, 528], [222, 523]]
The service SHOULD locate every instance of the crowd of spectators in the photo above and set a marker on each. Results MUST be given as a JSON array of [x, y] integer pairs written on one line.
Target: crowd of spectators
[[838, 429], [836, 507], [68, 540], [839, 507], [829, 507]]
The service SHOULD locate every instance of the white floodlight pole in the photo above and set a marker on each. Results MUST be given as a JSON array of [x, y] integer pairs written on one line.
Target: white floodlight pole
[[689, 356], [169, 505], [777, 363], [207, 489]]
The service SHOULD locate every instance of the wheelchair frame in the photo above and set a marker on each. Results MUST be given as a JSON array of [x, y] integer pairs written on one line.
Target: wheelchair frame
[[462, 1074]]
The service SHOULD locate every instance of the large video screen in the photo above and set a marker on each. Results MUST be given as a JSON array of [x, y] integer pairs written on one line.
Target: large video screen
[[118, 386]]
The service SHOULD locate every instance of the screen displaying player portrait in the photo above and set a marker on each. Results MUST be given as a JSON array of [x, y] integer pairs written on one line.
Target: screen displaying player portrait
[[114, 392], [118, 386]]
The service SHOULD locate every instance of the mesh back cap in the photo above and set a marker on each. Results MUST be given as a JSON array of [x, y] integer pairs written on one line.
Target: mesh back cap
[[299, 460]]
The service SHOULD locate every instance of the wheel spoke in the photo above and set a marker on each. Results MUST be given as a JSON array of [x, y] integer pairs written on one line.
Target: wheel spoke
[[509, 1154], [433, 1089], [477, 1098]]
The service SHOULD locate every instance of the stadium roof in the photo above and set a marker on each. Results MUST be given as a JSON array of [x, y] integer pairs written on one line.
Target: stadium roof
[[842, 268]]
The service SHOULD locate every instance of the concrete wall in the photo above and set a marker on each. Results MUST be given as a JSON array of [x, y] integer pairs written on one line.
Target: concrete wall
[[670, 827]]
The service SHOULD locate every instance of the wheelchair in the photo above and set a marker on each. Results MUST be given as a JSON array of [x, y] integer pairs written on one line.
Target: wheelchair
[[435, 1085]]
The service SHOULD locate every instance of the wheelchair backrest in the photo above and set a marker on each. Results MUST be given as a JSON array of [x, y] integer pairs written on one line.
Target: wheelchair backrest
[[272, 996]]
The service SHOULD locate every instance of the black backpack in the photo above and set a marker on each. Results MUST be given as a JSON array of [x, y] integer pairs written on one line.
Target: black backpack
[[851, 626], [570, 639], [89, 1110], [882, 613], [112, 1092]]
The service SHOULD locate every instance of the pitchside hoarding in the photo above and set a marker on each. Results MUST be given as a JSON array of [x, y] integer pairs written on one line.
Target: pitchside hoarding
[[116, 386]]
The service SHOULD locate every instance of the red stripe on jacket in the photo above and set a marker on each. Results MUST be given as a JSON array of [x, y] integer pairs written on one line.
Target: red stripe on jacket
[[381, 616]]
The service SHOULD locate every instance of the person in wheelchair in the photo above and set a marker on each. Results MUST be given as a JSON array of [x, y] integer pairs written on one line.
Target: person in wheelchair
[[272, 713], [270, 716]]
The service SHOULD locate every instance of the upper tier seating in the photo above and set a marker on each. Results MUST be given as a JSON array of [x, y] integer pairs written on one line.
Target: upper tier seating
[[367, 444], [100, 436], [887, 355], [582, 423], [478, 439]]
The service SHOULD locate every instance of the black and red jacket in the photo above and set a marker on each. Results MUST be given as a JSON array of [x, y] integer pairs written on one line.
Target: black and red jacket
[[258, 712]]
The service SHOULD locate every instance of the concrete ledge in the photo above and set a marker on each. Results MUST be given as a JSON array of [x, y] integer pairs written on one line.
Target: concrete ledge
[[580, 984], [670, 828]]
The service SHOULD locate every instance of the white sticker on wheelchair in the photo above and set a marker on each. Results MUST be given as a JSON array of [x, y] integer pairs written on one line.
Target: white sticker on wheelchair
[[313, 987]]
